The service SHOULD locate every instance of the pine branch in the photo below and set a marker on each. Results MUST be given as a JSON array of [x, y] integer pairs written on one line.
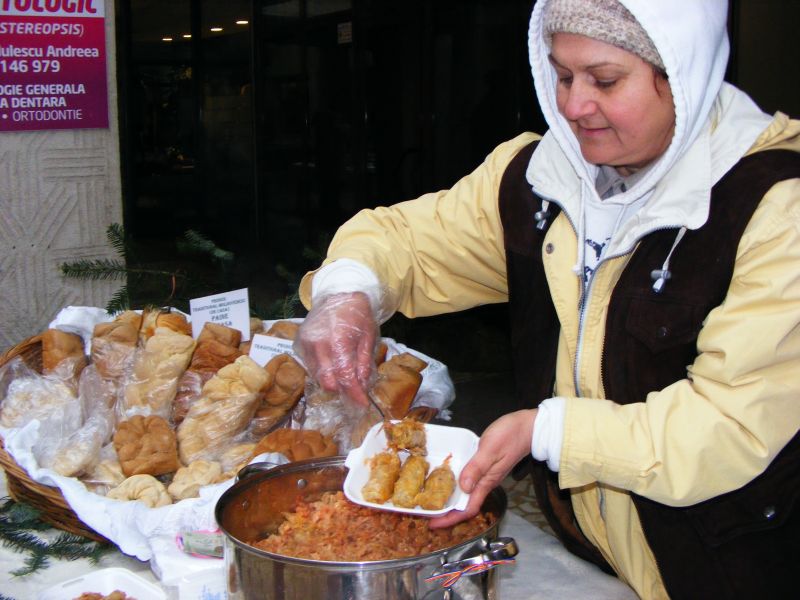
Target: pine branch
[[33, 563], [284, 273], [69, 546], [194, 241], [16, 519], [21, 514], [115, 235], [98, 269], [119, 302], [291, 302], [282, 308], [22, 541]]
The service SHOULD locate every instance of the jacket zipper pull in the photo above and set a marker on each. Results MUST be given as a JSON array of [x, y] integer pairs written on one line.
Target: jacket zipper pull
[[660, 276], [541, 216]]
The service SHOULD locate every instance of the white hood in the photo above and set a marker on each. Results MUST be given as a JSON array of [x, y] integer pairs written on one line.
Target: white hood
[[692, 39]]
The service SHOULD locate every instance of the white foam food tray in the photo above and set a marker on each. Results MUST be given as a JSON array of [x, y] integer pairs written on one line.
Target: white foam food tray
[[442, 441], [105, 581]]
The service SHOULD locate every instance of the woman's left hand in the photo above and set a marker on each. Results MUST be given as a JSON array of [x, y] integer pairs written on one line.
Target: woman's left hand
[[504, 443]]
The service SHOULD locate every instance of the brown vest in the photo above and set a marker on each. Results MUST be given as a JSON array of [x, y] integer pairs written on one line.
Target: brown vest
[[739, 545]]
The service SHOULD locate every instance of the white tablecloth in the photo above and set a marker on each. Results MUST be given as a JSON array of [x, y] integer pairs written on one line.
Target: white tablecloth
[[543, 570]]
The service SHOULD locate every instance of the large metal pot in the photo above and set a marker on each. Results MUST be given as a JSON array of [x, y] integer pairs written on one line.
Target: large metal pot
[[254, 506]]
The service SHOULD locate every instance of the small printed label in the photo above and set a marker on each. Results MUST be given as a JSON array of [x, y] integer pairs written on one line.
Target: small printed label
[[202, 543], [265, 347], [231, 309]]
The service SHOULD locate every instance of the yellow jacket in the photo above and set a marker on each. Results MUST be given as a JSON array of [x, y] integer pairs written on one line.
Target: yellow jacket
[[444, 252]]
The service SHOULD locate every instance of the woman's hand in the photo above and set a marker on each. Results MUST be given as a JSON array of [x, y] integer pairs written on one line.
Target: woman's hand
[[336, 342], [504, 443]]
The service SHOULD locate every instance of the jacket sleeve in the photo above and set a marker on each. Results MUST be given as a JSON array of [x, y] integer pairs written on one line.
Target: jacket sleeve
[[442, 252], [719, 428]]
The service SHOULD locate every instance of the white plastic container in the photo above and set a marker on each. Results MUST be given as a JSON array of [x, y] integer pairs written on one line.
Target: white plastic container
[[442, 441], [104, 582]]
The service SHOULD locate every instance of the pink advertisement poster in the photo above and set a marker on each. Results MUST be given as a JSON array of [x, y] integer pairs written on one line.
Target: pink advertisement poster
[[52, 65]]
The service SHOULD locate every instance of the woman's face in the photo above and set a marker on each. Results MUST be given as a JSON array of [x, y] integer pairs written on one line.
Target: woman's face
[[620, 110]]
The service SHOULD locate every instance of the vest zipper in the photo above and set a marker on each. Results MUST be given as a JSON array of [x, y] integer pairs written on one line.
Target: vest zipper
[[585, 293]]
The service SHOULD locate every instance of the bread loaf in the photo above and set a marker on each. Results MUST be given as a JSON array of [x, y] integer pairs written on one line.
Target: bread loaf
[[380, 353], [256, 326], [217, 346], [235, 457], [397, 384], [219, 333], [31, 398], [211, 355], [156, 372], [146, 445], [153, 318], [286, 330], [60, 346], [144, 488], [225, 408], [114, 343], [282, 394], [297, 444], [107, 473], [188, 480]]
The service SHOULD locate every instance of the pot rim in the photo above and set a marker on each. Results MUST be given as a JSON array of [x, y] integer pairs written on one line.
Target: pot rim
[[498, 494]]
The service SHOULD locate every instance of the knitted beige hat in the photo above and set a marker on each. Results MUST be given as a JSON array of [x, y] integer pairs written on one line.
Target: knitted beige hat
[[604, 20]]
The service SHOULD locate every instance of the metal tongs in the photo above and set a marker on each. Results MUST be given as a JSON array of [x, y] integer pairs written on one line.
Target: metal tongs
[[374, 401]]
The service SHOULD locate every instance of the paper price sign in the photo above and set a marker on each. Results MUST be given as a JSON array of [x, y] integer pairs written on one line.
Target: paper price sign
[[231, 309], [265, 347]]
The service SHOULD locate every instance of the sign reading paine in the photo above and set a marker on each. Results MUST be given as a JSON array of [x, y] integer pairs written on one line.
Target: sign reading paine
[[52, 65]]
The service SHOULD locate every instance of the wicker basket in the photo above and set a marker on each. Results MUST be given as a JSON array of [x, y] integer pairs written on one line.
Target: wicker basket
[[49, 501]]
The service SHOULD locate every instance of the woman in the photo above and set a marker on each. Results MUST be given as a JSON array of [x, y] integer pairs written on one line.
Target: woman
[[648, 246]]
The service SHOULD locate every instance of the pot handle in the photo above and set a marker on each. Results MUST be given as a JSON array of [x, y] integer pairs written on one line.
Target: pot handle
[[251, 469], [500, 551]]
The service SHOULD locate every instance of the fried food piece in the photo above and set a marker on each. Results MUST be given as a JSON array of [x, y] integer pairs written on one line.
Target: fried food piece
[[409, 483], [115, 595], [384, 469], [408, 434], [439, 486]]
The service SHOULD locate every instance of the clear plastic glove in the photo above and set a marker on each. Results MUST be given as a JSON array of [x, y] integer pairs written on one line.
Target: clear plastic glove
[[336, 342], [504, 443]]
